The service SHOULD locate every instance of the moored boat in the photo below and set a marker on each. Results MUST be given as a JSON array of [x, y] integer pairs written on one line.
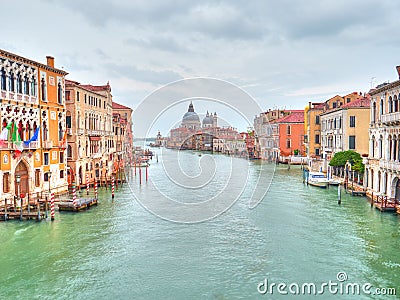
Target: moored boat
[[317, 179]]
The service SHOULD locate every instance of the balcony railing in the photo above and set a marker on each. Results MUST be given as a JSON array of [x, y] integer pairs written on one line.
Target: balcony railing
[[5, 145], [81, 131], [390, 165], [391, 118], [48, 144], [32, 145]]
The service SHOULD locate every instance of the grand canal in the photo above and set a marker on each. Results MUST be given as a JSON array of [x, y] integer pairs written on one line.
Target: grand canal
[[120, 250]]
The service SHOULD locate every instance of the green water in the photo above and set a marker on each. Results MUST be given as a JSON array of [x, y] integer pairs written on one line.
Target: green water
[[119, 250]]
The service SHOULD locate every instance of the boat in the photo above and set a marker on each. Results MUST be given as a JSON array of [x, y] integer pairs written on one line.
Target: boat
[[317, 179], [334, 182]]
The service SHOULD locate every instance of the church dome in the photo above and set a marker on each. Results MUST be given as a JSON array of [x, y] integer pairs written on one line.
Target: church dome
[[191, 119], [207, 121]]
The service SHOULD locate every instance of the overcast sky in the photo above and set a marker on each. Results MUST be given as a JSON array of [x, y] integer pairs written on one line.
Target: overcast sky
[[283, 53]]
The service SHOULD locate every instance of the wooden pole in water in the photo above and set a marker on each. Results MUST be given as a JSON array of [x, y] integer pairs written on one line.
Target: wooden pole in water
[[95, 189], [339, 195], [5, 209], [372, 199], [38, 207], [147, 173], [87, 184], [52, 206], [112, 187], [45, 207], [140, 175]]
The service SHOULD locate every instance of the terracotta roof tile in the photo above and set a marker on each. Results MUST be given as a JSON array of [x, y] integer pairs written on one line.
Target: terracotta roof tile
[[360, 102], [116, 105], [294, 117]]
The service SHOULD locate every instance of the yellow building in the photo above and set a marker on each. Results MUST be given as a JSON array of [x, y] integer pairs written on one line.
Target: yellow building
[[32, 110]]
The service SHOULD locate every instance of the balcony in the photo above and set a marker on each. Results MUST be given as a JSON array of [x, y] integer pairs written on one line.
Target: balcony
[[390, 165], [93, 132], [5, 145], [81, 131], [392, 118], [47, 144], [32, 145]]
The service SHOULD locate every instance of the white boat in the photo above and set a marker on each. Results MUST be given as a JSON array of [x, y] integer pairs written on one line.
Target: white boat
[[317, 179], [334, 182]]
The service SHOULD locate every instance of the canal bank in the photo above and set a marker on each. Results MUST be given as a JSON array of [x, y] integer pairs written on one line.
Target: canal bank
[[297, 233]]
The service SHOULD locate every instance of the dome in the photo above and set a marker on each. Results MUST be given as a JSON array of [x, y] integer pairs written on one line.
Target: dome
[[190, 117], [207, 120]]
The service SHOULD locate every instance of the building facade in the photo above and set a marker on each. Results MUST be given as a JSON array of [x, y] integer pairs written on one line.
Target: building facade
[[32, 145], [89, 132], [383, 165]]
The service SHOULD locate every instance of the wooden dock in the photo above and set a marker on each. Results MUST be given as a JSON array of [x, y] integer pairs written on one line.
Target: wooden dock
[[82, 204], [385, 204], [358, 193]]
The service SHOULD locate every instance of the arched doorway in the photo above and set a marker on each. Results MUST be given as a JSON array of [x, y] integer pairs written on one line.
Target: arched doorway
[[80, 174], [396, 184], [22, 171], [70, 176]]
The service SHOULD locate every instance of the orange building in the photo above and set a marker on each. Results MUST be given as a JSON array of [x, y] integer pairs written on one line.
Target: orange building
[[291, 134], [32, 144]]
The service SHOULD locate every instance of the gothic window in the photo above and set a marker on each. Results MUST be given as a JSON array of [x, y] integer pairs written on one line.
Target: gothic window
[[11, 83], [59, 93], [390, 104], [44, 131], [43, 89], [33, 87], [69, 152], [3, 80], [26, 85], [6, 182], [60, 131], [19, 84]]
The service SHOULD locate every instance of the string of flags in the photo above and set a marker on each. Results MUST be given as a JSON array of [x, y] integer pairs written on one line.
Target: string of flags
[[16, 138]]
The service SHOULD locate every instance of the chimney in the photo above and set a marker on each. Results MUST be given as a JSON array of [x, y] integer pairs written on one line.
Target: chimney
[[398, 70], [50, 61], [309, 104]]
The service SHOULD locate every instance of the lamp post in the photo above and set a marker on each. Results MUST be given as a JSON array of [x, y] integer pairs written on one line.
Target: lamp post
[[18, 180]]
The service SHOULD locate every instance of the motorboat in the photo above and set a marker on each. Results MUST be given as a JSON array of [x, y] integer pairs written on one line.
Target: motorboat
[[317, 179], [334, 182]]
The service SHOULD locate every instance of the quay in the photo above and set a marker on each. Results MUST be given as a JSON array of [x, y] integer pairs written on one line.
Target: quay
[[37, 210]]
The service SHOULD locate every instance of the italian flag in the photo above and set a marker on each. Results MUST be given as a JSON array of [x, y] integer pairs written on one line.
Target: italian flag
[[18, 144]]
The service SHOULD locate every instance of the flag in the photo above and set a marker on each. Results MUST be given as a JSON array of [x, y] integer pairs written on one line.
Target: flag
[[4, 132], [34, 138], [19, 145]]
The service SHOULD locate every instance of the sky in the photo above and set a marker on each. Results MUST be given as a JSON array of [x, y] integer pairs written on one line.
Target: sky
[[282, 53]]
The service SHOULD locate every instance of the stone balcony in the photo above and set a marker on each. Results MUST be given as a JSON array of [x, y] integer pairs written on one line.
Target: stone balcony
[[390, 165], [392, 118]]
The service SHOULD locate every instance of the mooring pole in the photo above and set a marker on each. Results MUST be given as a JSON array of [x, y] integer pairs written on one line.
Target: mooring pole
[[339, 195]]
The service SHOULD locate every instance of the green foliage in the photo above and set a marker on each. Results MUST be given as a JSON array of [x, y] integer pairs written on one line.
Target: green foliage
[[340, 159], [296, 152]]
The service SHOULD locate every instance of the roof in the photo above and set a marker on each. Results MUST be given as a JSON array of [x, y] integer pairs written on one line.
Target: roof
[[360, 102], [295, 117], [97, 88], [86, 87], [116, 105]]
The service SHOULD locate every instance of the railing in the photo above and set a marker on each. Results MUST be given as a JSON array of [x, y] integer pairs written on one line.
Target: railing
[[81, 131], [391, 165], [392, 117], [93, 132], [32, 145], [48, 144], [5, 145]]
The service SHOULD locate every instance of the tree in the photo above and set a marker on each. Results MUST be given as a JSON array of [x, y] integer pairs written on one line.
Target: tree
[[340, 159]]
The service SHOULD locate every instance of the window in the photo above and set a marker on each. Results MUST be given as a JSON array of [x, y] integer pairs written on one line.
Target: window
[[61, 173], [69, 151], [67, 95], [352, 142], [85, 99], [77, 97], [348, 100], [317, 138], [62, 157], [6, 182], [288, 143], [317, 151], [68, 120], [288, 129], [46, 158], [59, 93], [334, 105], [37, 177], [381, 107], [317, 120], [43, 89], [3, 80], [352, 121], [54, 155], [46, 177]]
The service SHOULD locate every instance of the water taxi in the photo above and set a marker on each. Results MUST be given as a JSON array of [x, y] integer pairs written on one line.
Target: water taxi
[[317, 179]]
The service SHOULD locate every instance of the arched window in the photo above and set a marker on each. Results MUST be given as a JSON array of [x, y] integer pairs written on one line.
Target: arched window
[[69, 151], [59, 93], [396, 104], [390, 104], [43, 89], [380, 147], [11, 83], [3, 80], [33, 87], [19, 83], [381, 108], [26, 85]]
